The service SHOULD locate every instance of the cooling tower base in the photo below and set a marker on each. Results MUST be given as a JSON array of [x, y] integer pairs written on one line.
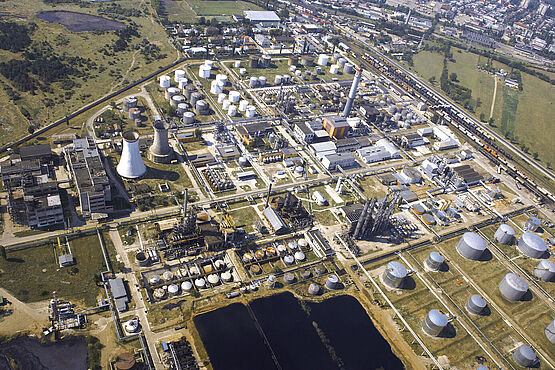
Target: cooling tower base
[[160, 158]]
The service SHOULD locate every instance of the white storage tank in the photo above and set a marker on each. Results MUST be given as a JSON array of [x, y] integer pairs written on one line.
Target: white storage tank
[[476, 305], [202, 107], [130, 102], [323, 59], [182, 108], [545, 270], [204, 71], [165, 81], [176, 100], [188, 118], [154, 279], [200, 283], [341, 62], [253, 82], [182, 83], [348, 68], [232, 110], [334, 69], [225, 104], [262, 81], [220, 77], [215, 88], [243, 71], [226, 276], [532, 224], [394, 275], [186, 286], [173, 289], [234, 96], [532, 245], [525, 356], [214, 279], [471, 246], [250, 112], [299, 256], [289, 278], [178, 74], [209, 63], [314, 289], [237, 64], [243, 105], [288, 259], [171, 91], [434, 261], [434, 323], [278, 79], [332, 282], [221, 98], [513, 287], [550, 332], [504, 234]]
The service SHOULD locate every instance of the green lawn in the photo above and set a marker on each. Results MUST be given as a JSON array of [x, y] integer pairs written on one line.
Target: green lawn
[[220, 8], [22, 274]]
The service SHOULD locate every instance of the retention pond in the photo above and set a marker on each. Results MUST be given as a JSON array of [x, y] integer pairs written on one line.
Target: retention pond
[[281, 332]]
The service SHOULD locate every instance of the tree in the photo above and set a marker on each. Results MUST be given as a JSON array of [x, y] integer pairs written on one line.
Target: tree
[[482, 117], [453, 77], [31, 129], [202, 20], [491, 120]]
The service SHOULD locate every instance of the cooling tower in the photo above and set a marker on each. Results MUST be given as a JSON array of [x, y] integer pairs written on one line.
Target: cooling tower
[[532, 245], [545, 270], [476, 305], [471, 246], [131, 164], [513, 287], [504, 234], [160, 150], [434, 323], [525, 356]]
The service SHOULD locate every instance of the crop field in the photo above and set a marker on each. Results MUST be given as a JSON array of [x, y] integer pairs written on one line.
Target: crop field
[[220, 8], [113, 70], [33, 274]]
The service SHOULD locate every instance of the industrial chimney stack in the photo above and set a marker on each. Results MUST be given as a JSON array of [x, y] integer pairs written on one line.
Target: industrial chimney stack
[[352, 93], [160, 150], [131, 164]]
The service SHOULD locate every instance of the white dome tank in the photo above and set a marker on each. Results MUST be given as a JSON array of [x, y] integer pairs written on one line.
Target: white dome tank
[[173, 289], [532, 245], [154, 279], [243, 71], [200, 283], [234, 96], [323, 59], [288, 260], [181, 108], [214, 279], [165, 81], [209, 63], [243, 105], [299, 256], [394, 275], [226, 276], [178, 74], [225, 104], [262, 81], [170, 92], [204, 72], [176, 100], [168, 276], [186, 286], [215, 88], [471, 246], [131, 163], [504, 234], [278, 79], [253, 82], [532, 224]]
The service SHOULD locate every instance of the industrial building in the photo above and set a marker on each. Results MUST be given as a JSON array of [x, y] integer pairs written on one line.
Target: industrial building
[[41, 152], [344, 160], [87, 171], [264, 19], [381, 151], [119, 292], [336, 126], [276, 223]]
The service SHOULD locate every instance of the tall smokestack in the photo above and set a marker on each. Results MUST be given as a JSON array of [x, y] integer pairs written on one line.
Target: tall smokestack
[[268, 196], [160, 150], [352, 93], [131, 164], [185, 204]]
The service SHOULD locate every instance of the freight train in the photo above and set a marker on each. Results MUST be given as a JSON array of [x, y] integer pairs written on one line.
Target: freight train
[[445, 112]]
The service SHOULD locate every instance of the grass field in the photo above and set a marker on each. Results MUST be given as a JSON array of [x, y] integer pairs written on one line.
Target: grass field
[[525, 113], [33, 274], [220, 8], [113, 71]]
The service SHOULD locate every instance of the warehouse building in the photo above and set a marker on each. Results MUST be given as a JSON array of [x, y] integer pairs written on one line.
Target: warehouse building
[[381, 151], [277, 225], [264, 19], [117, 287], [345, 160]]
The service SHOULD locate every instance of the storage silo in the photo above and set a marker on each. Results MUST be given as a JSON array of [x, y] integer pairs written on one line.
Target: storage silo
[[188, 118], [434, 261], [160, 150], [532, 245], [323, 59], [131, 164], [178, 74], [513, 287], [550, 332], [332, 282], [471, 246], [476, 305], [289, 278], [334, 69], [532, 224], [171, 91], [504, 234], [129, 102], [545, 270], [434, 322], [394, 275], [525, 356], [165, 81], [313, 289]]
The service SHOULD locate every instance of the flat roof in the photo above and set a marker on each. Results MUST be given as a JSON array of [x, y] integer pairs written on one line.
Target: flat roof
[[261, 16], [35, 151], [118, 288]]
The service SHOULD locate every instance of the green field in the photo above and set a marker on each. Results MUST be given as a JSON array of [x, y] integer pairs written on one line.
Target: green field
[[524, 116], [220, 8], [33, 274]]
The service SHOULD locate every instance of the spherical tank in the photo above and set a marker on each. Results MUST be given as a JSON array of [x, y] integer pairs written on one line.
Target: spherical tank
[[394, 275], [471, 246], [545, 270], [525, 356], [476, 305], [513, 287], [504, 234], [434, 261], [532, 245], [434, 322]]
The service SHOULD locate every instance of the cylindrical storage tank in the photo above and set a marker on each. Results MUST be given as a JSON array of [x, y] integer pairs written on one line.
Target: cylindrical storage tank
[[332, 282], [220, 77], [168, 276], [215, 88], [550, 332], [214, 279], [131, 163], [281, 249], [305, 274], [248, 257], [188, 118], [200, 283], [202, 107], [253, 82], [196, 96], [262, 81], [336, 57], [193, 270], [181, 108], [179, 73], [293, 68], [243, 105], [237, 64], [418, 209], [286, 79], [226, 276], [428, 219], [234, 96], [266, 61], [320, 270], [243, 71], [293, 60], [532, 224], [171, 91], [292, 245], [471, 246], [255, 269], [288, 260], [232, 111], [159, 293], [302, 243], [434, 261], [513, 287], [434, 323], [318, 70], [525, 356], [394, 275], [253, 61], [334, 69], [189, 90], [348, 68], [176, 100], [298, 72], [134, 113], [277, 80], [323, 59], [225, 104], [260, 254], [532, 245], [173, 289], [129, 102], [504, 234], [341, 62], [186, 286], [142, 259], [289, 278], [243, 162], [204, 72], [250, 112], [476, 305], [221, 97], [154, 279], [307, 61], [545, 271], [165, 81], [299, 256], [271, 281], [313, 289], [182, 83]]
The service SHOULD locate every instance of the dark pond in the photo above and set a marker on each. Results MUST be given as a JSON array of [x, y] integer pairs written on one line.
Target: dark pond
[[334, 334], [79, 22], [30, 353]]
